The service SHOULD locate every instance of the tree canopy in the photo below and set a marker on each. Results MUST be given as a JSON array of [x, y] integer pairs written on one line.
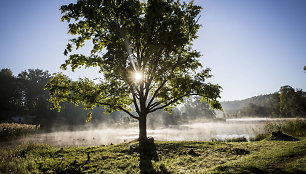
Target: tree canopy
[[152, 39]]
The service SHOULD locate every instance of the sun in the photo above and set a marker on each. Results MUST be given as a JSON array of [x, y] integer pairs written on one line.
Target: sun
[[138, 76]]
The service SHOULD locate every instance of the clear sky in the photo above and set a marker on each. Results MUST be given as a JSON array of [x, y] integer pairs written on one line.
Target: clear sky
[[252, 46]]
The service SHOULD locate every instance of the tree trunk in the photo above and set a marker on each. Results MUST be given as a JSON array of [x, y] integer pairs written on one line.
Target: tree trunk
[[142, 128], [142, 132], [146, 145]]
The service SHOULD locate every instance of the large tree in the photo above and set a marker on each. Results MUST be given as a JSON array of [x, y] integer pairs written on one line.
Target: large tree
[[144, 53]]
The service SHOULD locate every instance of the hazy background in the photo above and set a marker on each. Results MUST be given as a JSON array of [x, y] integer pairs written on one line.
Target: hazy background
[[253, 47]]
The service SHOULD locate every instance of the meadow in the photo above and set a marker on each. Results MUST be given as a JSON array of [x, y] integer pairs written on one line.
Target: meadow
[[269, 155], [170, 157]]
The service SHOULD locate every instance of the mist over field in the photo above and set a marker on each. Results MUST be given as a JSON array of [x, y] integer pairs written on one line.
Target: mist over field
[[195, 131], [198, 130], [190, 121]]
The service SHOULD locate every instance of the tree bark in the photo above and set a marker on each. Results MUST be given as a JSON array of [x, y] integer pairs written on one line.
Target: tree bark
[[143, 127], [143, 132]]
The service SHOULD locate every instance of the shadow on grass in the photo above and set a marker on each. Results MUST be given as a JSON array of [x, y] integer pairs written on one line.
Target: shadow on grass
[[145, 164], [147, 155]]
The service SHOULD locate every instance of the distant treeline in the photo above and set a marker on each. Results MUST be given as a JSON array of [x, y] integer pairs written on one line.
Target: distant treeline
[[287, 102], [23, 99]]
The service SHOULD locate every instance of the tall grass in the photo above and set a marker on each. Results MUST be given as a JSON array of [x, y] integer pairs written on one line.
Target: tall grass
[[296, 128], [13, 130]]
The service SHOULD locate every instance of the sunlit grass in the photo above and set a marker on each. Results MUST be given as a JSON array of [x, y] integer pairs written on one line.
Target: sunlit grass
[[274, 156], [174, 157]]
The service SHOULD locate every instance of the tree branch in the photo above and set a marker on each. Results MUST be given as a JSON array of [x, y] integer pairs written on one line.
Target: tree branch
[[167, 104], [155, 93], [131, 90], [133, 116], [134, 100], [154, 105], [120, 107], [157, 90]]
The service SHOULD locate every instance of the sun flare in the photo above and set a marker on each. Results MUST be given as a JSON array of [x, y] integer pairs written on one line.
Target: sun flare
[[137, 76]]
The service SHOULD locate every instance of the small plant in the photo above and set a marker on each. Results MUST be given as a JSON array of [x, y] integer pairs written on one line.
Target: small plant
[[13, 130]]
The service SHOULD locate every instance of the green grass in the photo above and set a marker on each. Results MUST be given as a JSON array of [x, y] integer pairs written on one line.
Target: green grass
[[274, 157], [172, 157]]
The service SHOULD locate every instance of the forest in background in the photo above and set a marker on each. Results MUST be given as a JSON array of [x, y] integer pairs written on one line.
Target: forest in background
[[24, 100], [287, 102]]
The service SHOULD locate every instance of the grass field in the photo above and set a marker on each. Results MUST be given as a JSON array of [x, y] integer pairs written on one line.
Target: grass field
[[170, 157]]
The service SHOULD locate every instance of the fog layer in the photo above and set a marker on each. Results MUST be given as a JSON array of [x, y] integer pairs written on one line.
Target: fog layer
[[205, 131]]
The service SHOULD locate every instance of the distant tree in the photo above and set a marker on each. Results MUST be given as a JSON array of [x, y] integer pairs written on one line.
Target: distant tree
[[6, 72], [254, 110], [160, 119], [196, 109], [23, 95], [144, 53], [286, 95], [34, 95], [203, 109], [274, 106], [300, 103], [292, 102], [10, 93]]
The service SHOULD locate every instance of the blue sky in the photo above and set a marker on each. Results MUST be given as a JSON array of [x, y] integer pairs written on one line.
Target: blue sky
[[252, 46]]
